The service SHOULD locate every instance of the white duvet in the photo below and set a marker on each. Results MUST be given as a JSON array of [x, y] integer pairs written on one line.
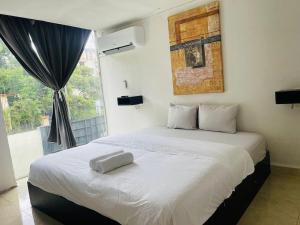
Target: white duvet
[[173, 181]]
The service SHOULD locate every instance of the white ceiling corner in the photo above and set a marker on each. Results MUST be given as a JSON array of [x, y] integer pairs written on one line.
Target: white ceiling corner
[[91, 14]]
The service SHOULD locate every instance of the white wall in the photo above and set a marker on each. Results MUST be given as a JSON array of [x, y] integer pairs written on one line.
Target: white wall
[[261, 53], [25, 147], [7, 179]]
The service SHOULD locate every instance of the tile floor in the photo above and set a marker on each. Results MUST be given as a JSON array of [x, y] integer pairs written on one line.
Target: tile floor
[[277, 203], [15, 208]]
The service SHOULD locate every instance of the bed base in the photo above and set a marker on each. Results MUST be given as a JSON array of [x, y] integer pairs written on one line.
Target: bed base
[[228, 213]]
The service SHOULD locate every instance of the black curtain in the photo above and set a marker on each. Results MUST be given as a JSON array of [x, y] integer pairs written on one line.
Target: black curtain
[[58, 50]]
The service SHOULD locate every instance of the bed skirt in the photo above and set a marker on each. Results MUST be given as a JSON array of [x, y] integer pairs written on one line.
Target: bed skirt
[[228, 213]]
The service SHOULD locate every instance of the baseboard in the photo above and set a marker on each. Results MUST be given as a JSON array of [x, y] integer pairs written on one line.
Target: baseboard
[[285, 166], [7, 189]]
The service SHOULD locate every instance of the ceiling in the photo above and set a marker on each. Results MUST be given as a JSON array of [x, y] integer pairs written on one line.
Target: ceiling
[[92, 14]]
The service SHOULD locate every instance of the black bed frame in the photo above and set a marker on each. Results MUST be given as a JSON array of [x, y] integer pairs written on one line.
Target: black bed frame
[[228, 213]]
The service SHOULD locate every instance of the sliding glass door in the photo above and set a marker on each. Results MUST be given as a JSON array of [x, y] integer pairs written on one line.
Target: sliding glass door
[[27, 107]]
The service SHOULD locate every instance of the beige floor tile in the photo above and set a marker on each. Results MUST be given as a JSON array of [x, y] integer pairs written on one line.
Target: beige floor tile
[[15, 208], [11, 195], [282, 188], [285, 171], [15, 220], [19, 192], [264, 212], [19, 195], [256, 217], [278, 201], [2, 201], [10, 213]]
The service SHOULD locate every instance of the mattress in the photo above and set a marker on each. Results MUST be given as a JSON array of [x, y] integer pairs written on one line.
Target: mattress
[[174, 180], [254, 143]]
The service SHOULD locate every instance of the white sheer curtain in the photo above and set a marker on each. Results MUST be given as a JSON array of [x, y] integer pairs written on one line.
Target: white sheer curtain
[[7, 177]]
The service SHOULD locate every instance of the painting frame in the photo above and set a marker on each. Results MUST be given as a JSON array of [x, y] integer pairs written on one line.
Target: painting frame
[[196, 50]]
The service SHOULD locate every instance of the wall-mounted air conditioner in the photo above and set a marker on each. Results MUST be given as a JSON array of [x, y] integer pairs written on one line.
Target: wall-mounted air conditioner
[[121, 41]]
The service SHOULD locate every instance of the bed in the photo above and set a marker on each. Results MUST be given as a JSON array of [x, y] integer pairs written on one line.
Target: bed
[[179, 177]]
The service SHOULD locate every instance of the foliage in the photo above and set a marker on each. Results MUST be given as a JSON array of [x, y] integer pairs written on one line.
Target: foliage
[[7, 120], [29, 100], [25, 114], [6, 58], [83, 89]]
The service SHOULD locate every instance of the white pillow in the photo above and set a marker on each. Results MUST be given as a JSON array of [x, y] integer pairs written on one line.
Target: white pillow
[[184, 117], [218, 117]]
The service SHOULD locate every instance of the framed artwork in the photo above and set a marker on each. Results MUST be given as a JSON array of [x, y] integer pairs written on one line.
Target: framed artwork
[[196, 51]]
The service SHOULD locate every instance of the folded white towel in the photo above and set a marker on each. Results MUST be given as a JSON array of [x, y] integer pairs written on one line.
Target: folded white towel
[[113, 162], [94, 160]]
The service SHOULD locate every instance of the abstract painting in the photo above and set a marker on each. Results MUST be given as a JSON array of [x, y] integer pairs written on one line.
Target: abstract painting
[[196, 51]]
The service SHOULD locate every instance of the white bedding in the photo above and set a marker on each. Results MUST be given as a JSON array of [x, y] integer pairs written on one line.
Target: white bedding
[[174, 181], [254, 143]]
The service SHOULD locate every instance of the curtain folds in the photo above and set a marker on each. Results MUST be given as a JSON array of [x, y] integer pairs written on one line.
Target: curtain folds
[[57, 51]]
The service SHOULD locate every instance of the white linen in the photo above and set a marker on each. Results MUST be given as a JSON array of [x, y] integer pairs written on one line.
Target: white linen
[[93, 161], [254, 143], [173, 181], [113, 162], [181, 116], [220, 118]]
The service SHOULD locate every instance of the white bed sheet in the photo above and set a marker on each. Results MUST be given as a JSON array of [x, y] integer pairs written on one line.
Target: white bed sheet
[[254, 143], [174, 181]]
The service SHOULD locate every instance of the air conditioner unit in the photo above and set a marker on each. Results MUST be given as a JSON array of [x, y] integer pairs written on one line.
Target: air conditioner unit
[[121, 41]]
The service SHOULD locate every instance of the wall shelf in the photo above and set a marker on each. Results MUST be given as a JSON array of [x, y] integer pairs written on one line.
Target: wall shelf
[[130, 100], [291, 96]]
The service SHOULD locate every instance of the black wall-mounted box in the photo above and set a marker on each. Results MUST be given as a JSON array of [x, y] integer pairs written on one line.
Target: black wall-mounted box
[[287, 96], [133, 100]]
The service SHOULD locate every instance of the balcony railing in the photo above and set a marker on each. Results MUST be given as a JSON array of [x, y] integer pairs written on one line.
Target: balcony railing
[[84, 131]]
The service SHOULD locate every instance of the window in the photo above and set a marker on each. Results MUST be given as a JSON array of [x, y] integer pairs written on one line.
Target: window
[[27, 107]]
